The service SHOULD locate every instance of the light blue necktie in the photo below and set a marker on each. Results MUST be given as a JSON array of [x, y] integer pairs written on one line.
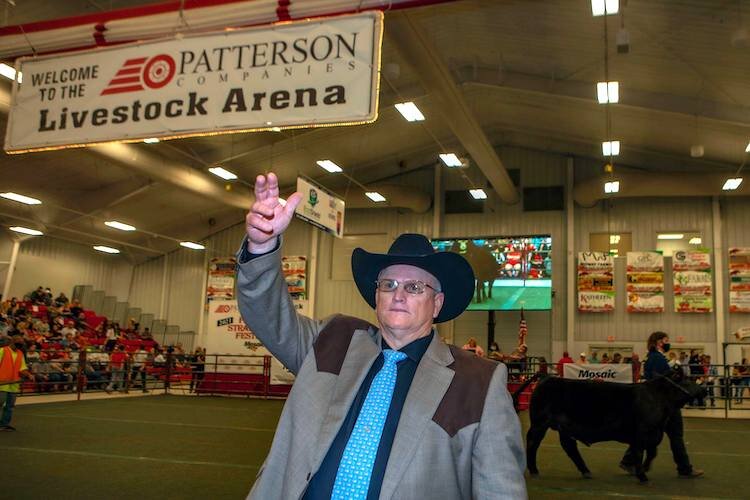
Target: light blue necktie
[[355, 468]]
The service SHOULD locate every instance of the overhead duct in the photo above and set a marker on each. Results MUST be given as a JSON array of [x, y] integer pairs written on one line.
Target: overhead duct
[[167, 18], [653, 184], [436, 78]]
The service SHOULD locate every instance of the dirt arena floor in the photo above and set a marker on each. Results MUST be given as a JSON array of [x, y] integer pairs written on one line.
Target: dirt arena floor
[[158, 447]]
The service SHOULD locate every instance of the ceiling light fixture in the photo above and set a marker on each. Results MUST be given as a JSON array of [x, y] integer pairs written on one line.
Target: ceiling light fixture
[[9, 72], [611, 148], [604, 7], [223, 173], [732, 184], [191, 245], [670, 236], [608, 92], [151, 140], [747, 148], [410, 111], [329, 166], [695, 241], [614, 239], [26, 230], [375, 196], [119, 225], [28, 200], [102, 248], [478, 194], [450, 159], [612, 187]]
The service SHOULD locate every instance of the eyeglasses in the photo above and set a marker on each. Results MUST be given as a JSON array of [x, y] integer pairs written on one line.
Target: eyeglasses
[[412, 287]]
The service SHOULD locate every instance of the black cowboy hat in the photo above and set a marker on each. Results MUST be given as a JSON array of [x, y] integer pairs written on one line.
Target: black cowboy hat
[[452, 271]]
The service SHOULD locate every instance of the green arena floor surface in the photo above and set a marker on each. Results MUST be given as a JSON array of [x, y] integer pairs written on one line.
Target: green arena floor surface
[[159, 447]]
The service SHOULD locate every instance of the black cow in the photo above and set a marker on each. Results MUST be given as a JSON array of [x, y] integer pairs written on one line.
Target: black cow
[[592, 411]]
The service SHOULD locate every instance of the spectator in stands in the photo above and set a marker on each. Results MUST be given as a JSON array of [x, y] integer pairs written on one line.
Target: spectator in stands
[[180, 359], [743, 380], [61, 300], [110, 334], [710, 373], [516, 361], [75, 309], [672, 359], [117, 363], [494, 352], [59, 374], [37, 296], [198, 364], [582, 359], [472, 346], [12, 369], [616, 358], [605, 358], [146, 335], [32, 354], [138, 366], [562, 362], [93, 377], [68, 329], [593, 359], [159, 361], [543, 367], [47, 297]]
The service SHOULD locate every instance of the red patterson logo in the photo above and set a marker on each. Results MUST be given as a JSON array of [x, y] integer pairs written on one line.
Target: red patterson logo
[[154, 73], [223, 309]]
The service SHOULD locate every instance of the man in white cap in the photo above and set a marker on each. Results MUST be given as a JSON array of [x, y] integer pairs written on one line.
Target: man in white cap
[[386, 411]]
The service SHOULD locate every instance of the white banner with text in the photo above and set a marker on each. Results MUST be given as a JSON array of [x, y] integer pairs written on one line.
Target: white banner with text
[[621, 373], [303, 74]]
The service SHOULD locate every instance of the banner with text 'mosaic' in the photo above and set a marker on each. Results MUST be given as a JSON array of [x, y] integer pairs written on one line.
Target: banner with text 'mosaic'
[[319, 72]]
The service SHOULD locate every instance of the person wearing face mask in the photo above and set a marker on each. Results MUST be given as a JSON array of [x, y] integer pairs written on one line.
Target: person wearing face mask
[[12, 368], [657, 365]]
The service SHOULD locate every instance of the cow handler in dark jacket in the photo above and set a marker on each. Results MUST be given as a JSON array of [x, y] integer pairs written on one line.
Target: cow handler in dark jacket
[[656, 364]]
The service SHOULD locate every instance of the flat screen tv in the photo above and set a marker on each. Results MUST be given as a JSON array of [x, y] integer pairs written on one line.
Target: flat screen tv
[[512, 272]]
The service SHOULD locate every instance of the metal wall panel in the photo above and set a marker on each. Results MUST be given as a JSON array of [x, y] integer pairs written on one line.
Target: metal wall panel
[[644, 217]]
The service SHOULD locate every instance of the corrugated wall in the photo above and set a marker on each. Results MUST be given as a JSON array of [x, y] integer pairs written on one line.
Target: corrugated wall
[[644, 218], [61, 265]]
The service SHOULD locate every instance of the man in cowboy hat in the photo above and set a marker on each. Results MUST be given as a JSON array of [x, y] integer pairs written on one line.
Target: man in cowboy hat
[[386, 411]]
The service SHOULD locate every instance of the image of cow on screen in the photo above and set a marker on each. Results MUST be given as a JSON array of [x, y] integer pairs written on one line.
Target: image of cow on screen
[[635, 414], [512, 272]]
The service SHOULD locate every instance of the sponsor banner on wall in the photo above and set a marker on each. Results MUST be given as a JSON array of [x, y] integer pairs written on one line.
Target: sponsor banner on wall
[[622, 373], [739, 280], [596, 282], [645, 282], [221, 274], [692, 281], [320, 208], [229, 337], [317, 72], [294, 268]]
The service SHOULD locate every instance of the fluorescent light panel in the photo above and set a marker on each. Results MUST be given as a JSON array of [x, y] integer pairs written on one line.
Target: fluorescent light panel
[[375, 196], [28, 200], [102, 248], [747, 148], [695, 241], [410, 111], [478, 194], [611, 148], [223, 173], [732, 184], [670, 236], [602, 7], [614, 239], [151, 140], [450, 159], [9, 72], [191, 245], [612, 187], [26, 230], [608, 92], [119, 225], [329, 166]]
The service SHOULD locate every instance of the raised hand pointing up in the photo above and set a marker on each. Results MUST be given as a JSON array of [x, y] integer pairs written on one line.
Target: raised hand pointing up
[[267, 218]]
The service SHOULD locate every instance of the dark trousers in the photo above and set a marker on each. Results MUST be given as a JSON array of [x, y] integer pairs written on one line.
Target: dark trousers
[[673, 430]]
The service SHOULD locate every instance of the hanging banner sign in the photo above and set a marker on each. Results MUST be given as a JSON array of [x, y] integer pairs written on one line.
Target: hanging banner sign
[[221, 272], [294, 269], [596, 271], [645, 282], [320, 208], [318, 72], [739, 280], [620, 373], [693, 281]]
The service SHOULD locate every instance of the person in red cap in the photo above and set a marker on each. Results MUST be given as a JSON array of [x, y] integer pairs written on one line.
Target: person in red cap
[[378, 411]]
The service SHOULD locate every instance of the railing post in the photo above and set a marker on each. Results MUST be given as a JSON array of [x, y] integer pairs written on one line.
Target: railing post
[[266, 375], [168, 373], [81, 373]]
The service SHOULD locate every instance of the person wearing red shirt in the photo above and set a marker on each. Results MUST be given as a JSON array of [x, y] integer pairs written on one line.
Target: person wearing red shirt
[[117, 368], [560, 364]]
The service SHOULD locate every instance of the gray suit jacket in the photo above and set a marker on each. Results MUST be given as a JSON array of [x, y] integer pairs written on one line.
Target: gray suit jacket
[[458, 436]]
